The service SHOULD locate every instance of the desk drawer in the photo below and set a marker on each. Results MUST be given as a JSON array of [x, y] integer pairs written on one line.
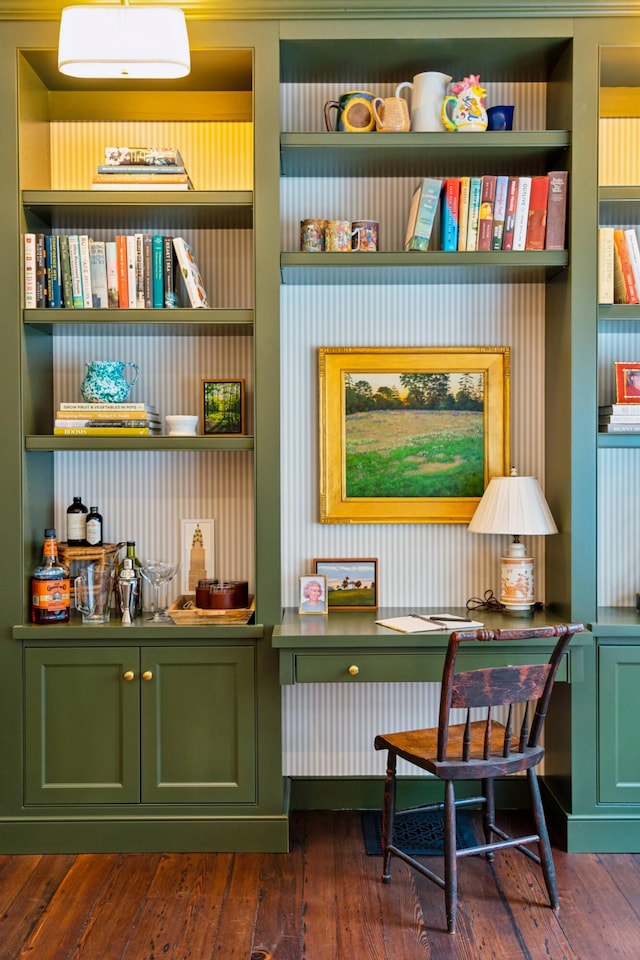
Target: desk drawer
[[355, 667]]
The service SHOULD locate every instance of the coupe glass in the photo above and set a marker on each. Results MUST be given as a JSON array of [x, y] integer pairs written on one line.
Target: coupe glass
[[156, 572]]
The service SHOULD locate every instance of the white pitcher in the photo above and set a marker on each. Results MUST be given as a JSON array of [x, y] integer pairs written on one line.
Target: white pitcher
[[428, 90]]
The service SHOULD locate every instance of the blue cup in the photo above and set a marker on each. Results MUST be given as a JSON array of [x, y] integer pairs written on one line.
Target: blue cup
[[500, 118]]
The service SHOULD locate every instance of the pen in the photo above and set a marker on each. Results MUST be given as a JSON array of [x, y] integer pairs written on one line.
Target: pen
[[420, 616]]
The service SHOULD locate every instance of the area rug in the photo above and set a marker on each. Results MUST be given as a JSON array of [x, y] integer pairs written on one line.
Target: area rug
[[420, 834]]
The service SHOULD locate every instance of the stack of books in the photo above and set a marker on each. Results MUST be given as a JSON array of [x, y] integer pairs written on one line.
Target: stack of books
[[106, 420], [619, 418], [142, 168]]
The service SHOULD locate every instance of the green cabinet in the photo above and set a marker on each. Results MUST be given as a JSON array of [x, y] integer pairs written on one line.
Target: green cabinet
[[618, 685], [120, 724]]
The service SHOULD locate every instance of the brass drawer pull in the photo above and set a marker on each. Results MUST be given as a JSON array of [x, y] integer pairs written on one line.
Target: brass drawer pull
[[354, 670], [147, 675], [128, 676]]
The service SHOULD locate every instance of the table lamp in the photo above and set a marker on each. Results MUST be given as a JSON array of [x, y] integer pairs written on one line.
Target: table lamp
[[516, 506]]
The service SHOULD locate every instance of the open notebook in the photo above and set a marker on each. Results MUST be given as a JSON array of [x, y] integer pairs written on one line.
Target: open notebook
[[420, 623]]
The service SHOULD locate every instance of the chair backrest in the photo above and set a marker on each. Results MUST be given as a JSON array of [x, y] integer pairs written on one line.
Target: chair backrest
[[490, 687]]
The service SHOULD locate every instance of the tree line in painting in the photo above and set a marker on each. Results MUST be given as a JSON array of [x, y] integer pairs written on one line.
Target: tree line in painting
[[424, 391]]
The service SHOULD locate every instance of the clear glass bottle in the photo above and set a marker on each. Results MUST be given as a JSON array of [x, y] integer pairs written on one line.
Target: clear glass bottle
[[94, 527], [77, 523], [50, 585], [136, 609]]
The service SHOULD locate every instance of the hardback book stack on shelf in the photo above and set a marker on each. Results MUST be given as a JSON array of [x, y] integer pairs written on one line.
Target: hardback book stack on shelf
[[106, 420], [486, 213], [142, 168], [619, 418]]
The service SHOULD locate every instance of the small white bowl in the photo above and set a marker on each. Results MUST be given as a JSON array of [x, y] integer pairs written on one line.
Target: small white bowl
[[182, 425]]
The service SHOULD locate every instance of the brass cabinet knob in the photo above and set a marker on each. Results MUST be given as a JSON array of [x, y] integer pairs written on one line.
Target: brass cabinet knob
[[354, 670], [128, 676], [147, 675]]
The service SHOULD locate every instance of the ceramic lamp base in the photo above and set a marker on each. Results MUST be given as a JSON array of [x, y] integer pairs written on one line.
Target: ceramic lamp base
[[517, 581]]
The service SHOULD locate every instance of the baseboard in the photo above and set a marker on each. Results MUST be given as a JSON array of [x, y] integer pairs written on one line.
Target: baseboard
[[365, 793]]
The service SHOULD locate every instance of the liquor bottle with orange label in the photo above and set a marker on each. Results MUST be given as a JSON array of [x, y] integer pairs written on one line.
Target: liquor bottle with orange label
[[50, 585]]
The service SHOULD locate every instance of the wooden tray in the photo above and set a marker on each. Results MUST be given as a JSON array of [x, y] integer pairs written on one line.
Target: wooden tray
[[196, 615]]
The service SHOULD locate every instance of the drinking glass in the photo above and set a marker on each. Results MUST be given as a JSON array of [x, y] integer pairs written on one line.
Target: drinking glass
[[156, 572]]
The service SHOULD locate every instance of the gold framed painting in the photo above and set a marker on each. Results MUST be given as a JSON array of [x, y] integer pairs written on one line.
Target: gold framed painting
[[411, 434]]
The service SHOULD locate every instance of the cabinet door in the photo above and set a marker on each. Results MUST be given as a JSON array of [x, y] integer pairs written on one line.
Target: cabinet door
[[198, 725], [619, 682], [82, 725]]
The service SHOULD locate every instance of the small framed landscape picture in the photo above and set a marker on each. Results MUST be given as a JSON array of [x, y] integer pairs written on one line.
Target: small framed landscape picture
[[313, 594], [627, 382], [222, 407], [351, 584]]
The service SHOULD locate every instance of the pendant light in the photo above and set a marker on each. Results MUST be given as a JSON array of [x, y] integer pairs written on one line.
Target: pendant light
[[141, 42]]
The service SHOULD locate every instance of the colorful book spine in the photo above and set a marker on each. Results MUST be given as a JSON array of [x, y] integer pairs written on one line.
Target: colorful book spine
[[557, 210], [85, 267], [422, 212], [147, 156], [605, 265], [449, 214], [522, 213], [134, 405], [194, 284], [157, 271], [475, 192], [131, 271], [625, 290], [499, 212], [140, 169], [118, 423], [139, 268], [104, 432], [169, 265], [111, 258], [634, 255], [123, 271], [65, 271], [537, 217], [510, 213], [98, 272], [84, 416], [76, 271], [147, 269], [465, 185], [41, 271], [142, 178], [54, 283], [30, 301], [485, 218]]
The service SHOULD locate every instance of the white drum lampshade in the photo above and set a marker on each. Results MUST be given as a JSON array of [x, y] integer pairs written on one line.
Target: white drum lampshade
[[514, 505], [122, 41]]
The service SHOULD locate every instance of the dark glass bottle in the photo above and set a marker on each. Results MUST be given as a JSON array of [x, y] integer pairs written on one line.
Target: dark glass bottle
[[77, 523], [50, 585], [136, 609], [94, 527]]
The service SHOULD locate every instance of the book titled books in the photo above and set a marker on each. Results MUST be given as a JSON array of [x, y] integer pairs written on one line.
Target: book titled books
[[104, 431], [510, 213], [422, 212], [190, 273], [499, 212]]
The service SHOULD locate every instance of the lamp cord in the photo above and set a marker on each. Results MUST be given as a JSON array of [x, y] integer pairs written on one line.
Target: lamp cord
[[489, 601]]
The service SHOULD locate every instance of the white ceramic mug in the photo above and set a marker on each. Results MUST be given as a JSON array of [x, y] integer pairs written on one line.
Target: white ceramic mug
[[182, 425]]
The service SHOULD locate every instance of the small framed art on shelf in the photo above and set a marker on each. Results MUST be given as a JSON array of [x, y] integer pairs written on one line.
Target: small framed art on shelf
[[313, 594], [222, 407], [627, 382], [351, 584]]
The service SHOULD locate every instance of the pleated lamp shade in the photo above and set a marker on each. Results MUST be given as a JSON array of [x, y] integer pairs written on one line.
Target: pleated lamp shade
[[141, 42]]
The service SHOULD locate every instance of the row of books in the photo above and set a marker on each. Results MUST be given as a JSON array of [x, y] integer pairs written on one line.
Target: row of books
[[619, 418], [489, 213], [133, 271], [142, 168], [618, 265], [106, 420]]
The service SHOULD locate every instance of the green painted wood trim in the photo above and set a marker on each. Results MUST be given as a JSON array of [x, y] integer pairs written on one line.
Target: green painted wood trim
[[138, 443], [365, 793]]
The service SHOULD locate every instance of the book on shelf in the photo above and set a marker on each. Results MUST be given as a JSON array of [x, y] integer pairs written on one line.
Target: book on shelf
[[128, 185], [475, 191], [54, 282], [147, 270], [76, 271], [510, 213], [624, 284], [449, 214], [485, 216], [111, 259], [98, 423], [634, 254], [157, 270], [120, 180], [139, 270], [605, 265], [41, 279], [613, 418], [98, 272], [126, 405], [556, 210], [132, 295], [85, 270], [422, 212], [65, 271], [522, 213], [95, 416], [190, 272], [123, 270], [619, 427], [145, 156], [105, 432], [537, 216], [619, 410], [151, 169], [169, 272], [30, 300], [463, 213], [499, 212], [417, 623]]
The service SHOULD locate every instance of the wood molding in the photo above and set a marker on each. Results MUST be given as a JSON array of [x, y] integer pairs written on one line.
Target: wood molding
[[620, 102]]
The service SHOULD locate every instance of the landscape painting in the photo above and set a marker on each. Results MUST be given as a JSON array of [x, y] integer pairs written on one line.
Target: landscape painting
[[411, 435], [351, 584]]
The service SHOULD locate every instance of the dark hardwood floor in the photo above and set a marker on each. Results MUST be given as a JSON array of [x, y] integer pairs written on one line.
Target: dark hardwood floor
[[323, 901]]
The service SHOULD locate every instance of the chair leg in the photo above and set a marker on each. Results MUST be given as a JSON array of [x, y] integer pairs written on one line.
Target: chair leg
[[450, 858], [488, 814], [388, 815], [546, 858]]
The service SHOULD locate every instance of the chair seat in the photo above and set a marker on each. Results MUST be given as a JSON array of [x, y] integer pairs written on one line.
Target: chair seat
[[420, 747]]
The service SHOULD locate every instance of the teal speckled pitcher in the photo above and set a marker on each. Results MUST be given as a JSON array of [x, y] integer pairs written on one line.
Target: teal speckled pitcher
[[105, 381]]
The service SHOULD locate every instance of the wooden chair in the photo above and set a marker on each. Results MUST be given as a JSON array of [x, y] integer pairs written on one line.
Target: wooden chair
[[479, 749]]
